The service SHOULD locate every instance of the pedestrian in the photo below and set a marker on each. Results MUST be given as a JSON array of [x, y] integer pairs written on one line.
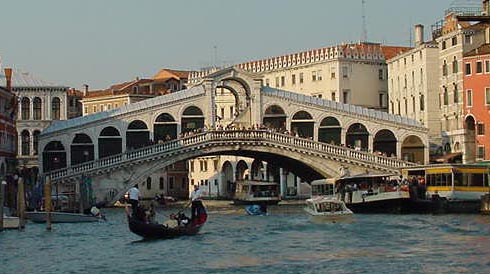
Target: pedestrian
[[134, 197]]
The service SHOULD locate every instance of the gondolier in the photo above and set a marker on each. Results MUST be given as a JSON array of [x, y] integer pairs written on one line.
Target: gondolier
[[196, 200], [134, 197]]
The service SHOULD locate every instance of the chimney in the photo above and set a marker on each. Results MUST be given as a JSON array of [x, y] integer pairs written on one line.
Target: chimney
[[85, 90], [8, 76], [419, 35]]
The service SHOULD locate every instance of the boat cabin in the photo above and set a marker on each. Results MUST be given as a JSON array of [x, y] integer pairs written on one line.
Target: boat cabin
[[256, 192]]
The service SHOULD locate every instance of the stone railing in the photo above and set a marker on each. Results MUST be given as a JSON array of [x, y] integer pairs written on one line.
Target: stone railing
[[226, 138]]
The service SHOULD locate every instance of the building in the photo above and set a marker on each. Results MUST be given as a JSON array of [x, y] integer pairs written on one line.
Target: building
[[413, 86], [8, 133], [476, 102], [348, 73], [456, 37]]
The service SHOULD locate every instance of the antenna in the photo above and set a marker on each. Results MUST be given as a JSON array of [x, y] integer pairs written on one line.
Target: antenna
[[364, 28]]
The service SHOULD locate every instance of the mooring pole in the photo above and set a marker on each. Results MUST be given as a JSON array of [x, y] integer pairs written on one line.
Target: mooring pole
[[2, 191], [21, 203], [47, 202]]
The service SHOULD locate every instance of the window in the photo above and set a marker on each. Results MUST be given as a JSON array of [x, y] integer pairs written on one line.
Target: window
[[443, 45], [36, 105], [109, 106], [469, 98], [487, 66], [467, 39], [479, 67], [293, 79], [35, 141], [94, 109], [161, 183], [399, 107], [277, 82], [148, 183], [422, 102], [456, 94], [313, 76], [455, 65], [85, 109], [446, 96], [345, 96], [267, 82], [232, 114], [487, 96], [345, 72], [301, 78], [480, 129], [215, 164], [481, 152], [468, 69], [444, 68], [25, 108], [55, 109], [382, 99], [171, 182], [380, 74], [454, 41], [332, 75], [333, 96], [25, 143], [283, 81], [319, 75]]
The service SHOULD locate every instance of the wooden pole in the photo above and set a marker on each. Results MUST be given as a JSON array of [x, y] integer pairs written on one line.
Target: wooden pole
[[21, 204], [2, 191], [47, 202]]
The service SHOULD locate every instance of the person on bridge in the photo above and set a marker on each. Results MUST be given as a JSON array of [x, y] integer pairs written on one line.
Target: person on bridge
[[134, 197], [196, 200]]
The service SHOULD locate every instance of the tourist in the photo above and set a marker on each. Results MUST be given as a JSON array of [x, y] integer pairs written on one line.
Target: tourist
[[196, 200], [134, 197]]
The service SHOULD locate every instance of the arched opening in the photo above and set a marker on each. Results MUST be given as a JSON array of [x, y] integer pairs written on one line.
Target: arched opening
[[385, 142], [192, 119], [25, 105], [413, 149], [25, 140], [35, 141], [329, 131], [54, 156], [469, 140], [36, 106], [302, 124], [82, 149], [258, 170], [228, 179], [110, 142], [55, 108], [164, 128], [242, 171], [357, 136], [137, 135], [275, 117]]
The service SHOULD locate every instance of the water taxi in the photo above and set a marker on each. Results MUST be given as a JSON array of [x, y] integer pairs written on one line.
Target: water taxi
[[451, 188], [250, 192], [323, 206]]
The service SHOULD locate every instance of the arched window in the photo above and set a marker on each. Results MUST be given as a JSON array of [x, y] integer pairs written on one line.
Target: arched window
[[55, 109], [26, 142], [35, 141], [36, 105], [25, 108]]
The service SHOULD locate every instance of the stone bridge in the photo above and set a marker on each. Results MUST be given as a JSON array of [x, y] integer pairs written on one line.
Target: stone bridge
[[116, 148]]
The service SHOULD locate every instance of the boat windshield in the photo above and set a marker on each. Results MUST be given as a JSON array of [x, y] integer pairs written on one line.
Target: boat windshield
[[328, 207]]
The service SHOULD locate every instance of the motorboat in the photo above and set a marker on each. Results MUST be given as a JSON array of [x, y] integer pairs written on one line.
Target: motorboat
[[250, 192], [257, 210], [10, 222], [184, 226], [63, 217], [323, 206]]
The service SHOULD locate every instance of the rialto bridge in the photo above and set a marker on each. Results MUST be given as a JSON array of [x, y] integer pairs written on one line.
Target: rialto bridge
[[311, 137]]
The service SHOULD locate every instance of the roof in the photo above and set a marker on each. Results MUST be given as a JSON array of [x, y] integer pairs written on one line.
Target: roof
[[25, 79], [391, 51], [481, 50], [170, 73], [118, 89]]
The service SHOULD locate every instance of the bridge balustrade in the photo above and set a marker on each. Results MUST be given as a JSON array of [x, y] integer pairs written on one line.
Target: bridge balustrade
[[227, 137]]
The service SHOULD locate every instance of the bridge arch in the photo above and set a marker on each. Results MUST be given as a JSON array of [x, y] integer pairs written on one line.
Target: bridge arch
[[192, 118], [239, 87], [227, 178], [357, 136], [242, 171], [110, 142], [81, 148], [54, 156], [257, 170], [385, 142], [137, 135], [330, 131], [412, 149], [275, 117], [302, 124], [164, 125]]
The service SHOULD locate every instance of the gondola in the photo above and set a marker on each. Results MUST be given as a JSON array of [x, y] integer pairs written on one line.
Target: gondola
[[161, 231]]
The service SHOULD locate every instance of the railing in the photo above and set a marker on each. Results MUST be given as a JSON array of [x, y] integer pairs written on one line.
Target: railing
[[227, 138]]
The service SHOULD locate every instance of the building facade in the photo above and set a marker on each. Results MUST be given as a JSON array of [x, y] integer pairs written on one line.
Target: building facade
[[413, 86], [8, 134]]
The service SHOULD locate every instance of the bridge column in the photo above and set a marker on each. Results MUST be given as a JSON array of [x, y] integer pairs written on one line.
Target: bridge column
[[298, 186], [398, 149], [370, 144], [283, 182], [342, 136], [315, 131]]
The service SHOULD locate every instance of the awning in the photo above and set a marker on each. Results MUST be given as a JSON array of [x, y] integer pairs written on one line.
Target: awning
[[456, 157]]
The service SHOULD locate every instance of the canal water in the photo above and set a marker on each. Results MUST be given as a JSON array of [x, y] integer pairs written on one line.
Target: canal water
[[286, 241]]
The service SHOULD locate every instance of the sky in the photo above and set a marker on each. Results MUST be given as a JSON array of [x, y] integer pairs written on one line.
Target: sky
[[103, 42]]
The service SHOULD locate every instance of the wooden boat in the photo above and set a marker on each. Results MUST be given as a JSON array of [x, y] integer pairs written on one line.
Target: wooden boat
[[250, 192], [326, 207], [139, 226], [63, 217], [10, 222]]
